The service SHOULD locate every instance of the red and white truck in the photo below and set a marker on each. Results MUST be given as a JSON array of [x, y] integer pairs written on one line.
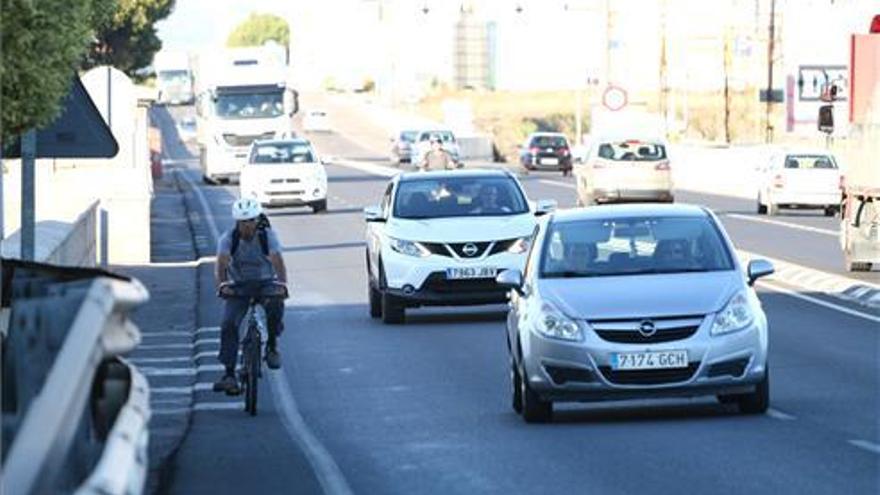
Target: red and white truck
[[860, 184]]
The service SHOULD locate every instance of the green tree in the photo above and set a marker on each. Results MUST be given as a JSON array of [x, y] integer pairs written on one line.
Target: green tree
[[258, 29], [43, 43], [129, 41]]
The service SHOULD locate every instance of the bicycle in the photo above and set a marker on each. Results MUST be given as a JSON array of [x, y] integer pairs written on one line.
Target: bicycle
[[256, 329]]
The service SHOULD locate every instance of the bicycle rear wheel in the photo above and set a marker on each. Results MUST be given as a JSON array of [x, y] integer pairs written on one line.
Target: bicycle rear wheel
[[253, 373]]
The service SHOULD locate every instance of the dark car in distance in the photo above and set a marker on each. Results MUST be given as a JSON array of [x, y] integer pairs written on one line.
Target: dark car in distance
[[546, 151]]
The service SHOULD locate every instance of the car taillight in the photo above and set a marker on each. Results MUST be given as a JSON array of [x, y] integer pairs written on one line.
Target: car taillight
[[841, 183], [662, 166], [564, 151], [534, 150], [779, 181]]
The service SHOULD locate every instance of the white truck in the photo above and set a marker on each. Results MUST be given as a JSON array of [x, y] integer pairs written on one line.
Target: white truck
[[243, 94], [860, 184], [173, 77]]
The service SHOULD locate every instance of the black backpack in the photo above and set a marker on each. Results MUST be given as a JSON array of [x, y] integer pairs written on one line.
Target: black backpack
[[262, 226]]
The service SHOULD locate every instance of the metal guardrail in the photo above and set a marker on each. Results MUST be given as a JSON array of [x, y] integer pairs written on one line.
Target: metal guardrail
[[74, 415]]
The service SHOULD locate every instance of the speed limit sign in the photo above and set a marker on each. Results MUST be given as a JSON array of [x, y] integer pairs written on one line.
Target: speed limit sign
[[614, 98]]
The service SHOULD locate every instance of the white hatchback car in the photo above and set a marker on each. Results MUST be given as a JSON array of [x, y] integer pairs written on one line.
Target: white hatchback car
[[799, 179], [285, 172], [624, 170], [440, 238]]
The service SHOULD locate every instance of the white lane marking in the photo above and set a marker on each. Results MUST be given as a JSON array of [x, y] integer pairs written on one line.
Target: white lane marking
[[820, 302], [806, 228], [168, 347], [184, 264], [159, 360], [202, 406], [190, 371], [171, 333], [558, 184], [326, 470], [207, 329], [170, 390], [864, 444], [777, 414], [212, 222], [179, 161], [197, 387], [219, 406], [369, 168]]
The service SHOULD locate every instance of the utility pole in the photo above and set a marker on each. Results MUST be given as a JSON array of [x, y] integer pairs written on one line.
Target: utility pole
[[664, 84], [28, 200], [768, 129], [727, 84]]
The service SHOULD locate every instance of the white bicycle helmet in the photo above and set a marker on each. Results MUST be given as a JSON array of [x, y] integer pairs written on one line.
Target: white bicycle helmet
[[246, 209]]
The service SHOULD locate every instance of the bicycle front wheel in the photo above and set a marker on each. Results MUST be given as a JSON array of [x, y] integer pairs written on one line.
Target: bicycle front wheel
[[253, 374]]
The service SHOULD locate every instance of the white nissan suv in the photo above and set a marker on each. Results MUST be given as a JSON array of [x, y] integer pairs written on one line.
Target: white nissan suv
[[440, 238]]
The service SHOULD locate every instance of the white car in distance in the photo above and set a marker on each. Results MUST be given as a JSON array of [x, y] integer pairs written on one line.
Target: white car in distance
[[316, 121], [632, 169], [801, 180], [285, 172], [440, 238]]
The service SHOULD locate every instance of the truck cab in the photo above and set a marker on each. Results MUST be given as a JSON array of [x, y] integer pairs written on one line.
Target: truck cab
[[246, 99]]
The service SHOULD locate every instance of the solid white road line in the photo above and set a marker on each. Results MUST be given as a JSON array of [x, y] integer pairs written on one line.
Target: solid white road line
[[806, 228], [184, 264], [326, 469], [777, 414], [866, 445], [206, 209], [189, 371], [820, 302]]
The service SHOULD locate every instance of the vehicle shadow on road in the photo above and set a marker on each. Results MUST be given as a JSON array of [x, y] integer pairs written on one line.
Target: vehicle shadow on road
[[446, 318], [634, 413]]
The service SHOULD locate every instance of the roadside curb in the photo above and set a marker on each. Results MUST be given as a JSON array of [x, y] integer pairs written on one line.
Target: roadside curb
[[812, 280]]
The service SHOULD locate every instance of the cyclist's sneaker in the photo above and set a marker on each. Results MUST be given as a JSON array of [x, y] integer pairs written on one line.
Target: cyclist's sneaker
[[227, 384], [273, 358]]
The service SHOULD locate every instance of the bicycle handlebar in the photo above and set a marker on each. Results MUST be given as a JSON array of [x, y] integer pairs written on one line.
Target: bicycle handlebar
[[268, 288]]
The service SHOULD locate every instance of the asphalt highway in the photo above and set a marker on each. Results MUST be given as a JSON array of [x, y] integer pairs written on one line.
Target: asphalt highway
[[424, 407]]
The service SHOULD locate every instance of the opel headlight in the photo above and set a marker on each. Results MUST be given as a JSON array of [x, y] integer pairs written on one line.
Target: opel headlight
[[520, 246], [555, 325], [409, 248], [736, 315]]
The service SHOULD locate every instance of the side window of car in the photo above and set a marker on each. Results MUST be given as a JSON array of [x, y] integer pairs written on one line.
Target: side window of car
[[529, 257], [386, 201]]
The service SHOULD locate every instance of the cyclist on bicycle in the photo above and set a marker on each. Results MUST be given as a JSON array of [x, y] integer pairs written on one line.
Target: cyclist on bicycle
[[248, 254]]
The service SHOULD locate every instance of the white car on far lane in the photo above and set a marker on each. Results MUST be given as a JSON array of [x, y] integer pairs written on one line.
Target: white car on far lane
[[799, 179], [440, 238], [316, 121], [285, 172]]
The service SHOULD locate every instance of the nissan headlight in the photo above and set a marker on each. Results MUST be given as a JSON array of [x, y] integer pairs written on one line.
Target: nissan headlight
[[520, 245], [736, 315], [555, 325], [409, 248]]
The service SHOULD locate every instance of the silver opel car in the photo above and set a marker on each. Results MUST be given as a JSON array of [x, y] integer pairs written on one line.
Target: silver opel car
[[631, 302]]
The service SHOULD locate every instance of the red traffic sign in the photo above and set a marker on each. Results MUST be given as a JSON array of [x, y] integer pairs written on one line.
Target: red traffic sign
[[614, 98]]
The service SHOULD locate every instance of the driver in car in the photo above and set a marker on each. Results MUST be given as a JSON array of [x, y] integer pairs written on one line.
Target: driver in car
[[487, 201]]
